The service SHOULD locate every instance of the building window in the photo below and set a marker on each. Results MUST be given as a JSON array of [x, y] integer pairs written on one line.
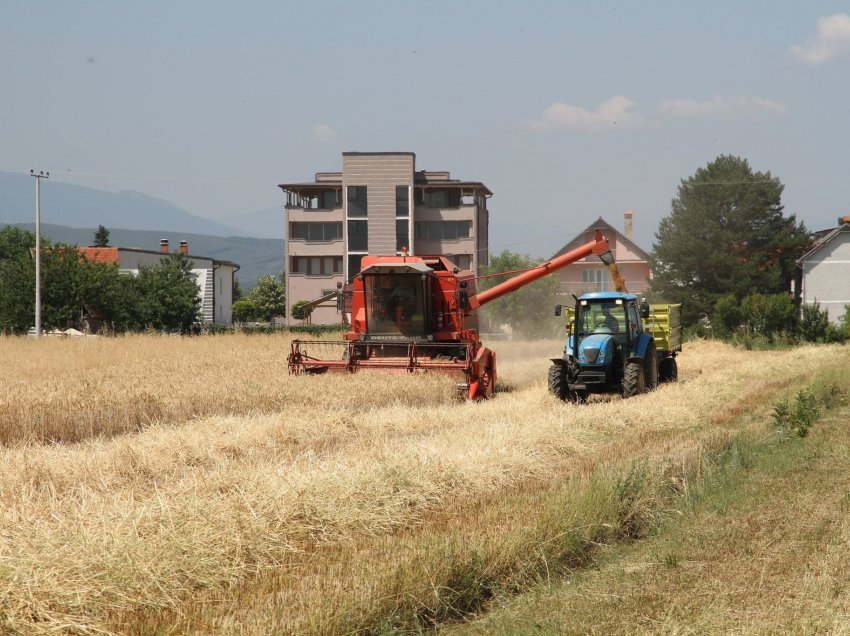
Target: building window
[[354, 264], [315, 232], [595, 279], [402, 231], [402, 201], [357, 206], [442, 230], [358, 236], [328, 199], [316, 265], [438, 197]]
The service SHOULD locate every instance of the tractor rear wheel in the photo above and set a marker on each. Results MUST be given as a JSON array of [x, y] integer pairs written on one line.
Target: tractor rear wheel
[[668, 370], [633, 380], [558, 381]]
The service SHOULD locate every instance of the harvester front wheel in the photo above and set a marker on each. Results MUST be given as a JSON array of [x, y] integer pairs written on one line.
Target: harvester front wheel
[[633, 380], [482, 388], [557, 381]]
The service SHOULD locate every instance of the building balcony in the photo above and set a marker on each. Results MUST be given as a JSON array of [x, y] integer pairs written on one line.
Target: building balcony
[[459, 213], [445, 246], [300, 247], [295, 214]]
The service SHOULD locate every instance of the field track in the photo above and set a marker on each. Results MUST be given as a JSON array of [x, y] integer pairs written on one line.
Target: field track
[[190, 484]]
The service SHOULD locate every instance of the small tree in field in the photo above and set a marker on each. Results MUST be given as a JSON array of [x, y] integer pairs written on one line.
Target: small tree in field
[[268, 297]]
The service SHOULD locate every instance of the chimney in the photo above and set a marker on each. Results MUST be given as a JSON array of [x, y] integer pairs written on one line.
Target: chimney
[[844, 220], [163, 246], [184, 248], [628, 224]]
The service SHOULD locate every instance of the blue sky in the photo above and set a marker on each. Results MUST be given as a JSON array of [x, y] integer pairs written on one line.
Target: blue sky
[[567, 110]]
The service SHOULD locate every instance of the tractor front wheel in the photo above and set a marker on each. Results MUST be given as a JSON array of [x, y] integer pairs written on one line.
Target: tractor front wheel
[[558, 381], [633, 380]]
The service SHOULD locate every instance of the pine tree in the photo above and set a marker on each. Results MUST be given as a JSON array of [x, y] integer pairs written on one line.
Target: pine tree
[[726, 234]]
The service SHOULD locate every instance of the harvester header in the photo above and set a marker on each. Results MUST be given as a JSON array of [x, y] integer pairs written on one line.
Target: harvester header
[[419, 313]]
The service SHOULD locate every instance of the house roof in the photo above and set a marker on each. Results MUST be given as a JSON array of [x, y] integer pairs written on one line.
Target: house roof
[[99, 254], [823, 240], [112, 255], [602, 224]]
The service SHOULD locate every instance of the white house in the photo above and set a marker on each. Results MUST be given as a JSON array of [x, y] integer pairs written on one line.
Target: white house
[[825, 271], [213, 277]]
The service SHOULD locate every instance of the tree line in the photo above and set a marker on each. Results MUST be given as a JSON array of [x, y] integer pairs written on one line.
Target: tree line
[[160, 298], [726, 252]]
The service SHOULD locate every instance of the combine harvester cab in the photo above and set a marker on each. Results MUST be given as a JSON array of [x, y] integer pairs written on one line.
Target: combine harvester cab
[[414, 314], [616, 344]]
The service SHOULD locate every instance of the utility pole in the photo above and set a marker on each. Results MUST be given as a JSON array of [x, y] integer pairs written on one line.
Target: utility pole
[[38, 177]]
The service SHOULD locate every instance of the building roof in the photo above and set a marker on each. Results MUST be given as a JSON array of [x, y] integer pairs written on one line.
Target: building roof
[[602, 224], [112, 254], [99, 254], [823, 240], [429, 183]]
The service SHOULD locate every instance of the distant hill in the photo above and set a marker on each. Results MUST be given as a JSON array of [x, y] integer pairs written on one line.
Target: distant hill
[[76, 206], [255, 257], [267, 223]]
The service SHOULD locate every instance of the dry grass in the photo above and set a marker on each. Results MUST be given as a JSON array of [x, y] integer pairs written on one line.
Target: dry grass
[[232, 469]]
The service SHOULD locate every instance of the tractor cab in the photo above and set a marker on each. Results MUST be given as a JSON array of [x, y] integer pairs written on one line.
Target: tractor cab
[[609, 314]]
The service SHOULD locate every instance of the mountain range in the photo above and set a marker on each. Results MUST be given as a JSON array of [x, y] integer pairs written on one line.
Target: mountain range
[[71, 213]]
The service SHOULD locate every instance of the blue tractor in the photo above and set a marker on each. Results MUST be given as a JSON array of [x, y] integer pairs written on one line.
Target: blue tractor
[[616, 344]]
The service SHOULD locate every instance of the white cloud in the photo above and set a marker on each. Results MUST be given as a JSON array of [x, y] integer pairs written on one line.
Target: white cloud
[[324, 134], [721, 107], [613, 113], [831, 41]]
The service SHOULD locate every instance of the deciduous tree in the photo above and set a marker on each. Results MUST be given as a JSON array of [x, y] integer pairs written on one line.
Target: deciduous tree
[[527, 310]]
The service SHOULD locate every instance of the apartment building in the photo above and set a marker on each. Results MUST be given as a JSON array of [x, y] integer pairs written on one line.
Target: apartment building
[[378, 204]]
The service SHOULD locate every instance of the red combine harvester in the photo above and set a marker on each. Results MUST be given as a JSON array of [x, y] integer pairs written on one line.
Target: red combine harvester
[[418, 313]]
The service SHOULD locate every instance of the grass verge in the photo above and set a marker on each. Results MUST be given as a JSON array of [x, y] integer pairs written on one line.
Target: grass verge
[[760, 546]]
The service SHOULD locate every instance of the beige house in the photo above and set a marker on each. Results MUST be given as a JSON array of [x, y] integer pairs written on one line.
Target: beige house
[[824, 271], [589, 274], [378, 204]]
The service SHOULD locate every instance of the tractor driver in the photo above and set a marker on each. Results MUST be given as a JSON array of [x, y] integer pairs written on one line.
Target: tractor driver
[[610, 321]]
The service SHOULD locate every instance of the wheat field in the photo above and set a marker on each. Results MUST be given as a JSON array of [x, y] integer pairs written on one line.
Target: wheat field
[[190, 485]]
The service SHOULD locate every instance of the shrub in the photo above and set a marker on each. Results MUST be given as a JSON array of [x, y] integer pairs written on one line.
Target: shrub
[[767, 314], [727, 315], [298, 310], [814, 323], [244, 311]]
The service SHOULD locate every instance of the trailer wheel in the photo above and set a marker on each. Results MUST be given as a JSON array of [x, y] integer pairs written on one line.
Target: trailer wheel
[[668, 370], [650, 367], [633, 380], [558, 381]]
